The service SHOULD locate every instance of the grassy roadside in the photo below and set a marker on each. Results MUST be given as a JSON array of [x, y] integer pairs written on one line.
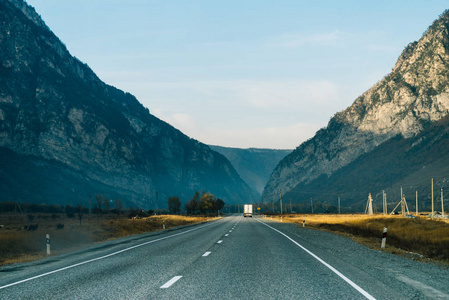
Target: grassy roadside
[[20, 245], [420, 238]]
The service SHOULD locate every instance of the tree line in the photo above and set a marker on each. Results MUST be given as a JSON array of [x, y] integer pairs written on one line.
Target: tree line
[[199, 203], [204, 203], [98, 205]]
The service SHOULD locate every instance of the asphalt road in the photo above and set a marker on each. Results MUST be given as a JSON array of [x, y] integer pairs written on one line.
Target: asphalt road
[[232, 258]]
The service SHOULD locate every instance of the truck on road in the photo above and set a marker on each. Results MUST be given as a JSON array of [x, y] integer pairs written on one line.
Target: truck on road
[[247, 210]]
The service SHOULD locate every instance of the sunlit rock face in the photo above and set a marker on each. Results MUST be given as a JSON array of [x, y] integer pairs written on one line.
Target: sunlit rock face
[[405, 102]]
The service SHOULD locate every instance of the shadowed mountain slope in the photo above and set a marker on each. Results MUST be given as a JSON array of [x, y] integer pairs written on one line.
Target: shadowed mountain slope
[[65, 134]]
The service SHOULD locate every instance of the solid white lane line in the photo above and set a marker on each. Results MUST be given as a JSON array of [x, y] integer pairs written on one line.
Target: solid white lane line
[[220, 241], [170, 282], [103, 257], [355, 286], [207, 253], [226, 234]]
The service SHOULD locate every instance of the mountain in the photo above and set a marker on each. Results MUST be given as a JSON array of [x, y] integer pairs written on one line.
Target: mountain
[[254, 165], [66, 135], [387, 137]]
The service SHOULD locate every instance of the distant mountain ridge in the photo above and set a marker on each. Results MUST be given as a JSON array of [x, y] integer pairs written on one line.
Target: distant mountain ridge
[[254, 165], [65, 135], [408, 102]]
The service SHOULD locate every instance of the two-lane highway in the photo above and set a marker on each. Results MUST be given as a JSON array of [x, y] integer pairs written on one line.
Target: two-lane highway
[[231, 258]]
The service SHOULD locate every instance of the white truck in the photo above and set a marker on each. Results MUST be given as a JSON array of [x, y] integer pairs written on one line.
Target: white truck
[[247, 210]]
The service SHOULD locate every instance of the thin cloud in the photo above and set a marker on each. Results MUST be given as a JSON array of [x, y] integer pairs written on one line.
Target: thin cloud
[[291, 94], [284, 137], [383, 48], [298, 40], [287, 137]]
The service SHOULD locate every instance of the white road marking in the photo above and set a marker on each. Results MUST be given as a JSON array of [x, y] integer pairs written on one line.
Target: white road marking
[[355, 286], [428, 291], [230, 230], [102, 257], [220, 241], [171, 282], [207, 253], [226, 234]]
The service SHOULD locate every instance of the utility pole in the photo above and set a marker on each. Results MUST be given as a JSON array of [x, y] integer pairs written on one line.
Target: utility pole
[[402, 203], [157, 204], [280, 199], [416, 203], [384, 202], [17, 205], [442, 203], [432, 200], [369, 205], [311, 204], [291, 211], [338, 204]]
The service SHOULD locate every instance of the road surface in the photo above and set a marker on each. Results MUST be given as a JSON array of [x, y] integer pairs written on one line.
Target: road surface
[[231, 258]]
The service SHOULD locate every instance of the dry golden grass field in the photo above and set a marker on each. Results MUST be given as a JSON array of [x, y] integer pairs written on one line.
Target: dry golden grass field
[[18, 244], [420, 238]]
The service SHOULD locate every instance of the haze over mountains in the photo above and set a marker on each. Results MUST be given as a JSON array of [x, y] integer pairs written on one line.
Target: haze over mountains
[[254, 165], [66, 135], [395, 133]]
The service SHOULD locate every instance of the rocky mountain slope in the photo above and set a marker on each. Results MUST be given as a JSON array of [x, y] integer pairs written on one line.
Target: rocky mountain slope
[[403, 105], [253, 165], [65, 134]]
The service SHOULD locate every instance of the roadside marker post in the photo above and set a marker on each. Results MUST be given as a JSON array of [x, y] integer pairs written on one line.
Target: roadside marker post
[[384, 238], [47, 238], [304, 223], [163, 224]]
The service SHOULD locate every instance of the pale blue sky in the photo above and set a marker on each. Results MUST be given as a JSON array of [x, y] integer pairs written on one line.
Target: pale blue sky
[[241, 73]]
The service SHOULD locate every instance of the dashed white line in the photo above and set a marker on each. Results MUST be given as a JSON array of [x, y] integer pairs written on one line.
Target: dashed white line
[[220, 241], [170, 282], [230, 230], [226, 234], [207, 253]]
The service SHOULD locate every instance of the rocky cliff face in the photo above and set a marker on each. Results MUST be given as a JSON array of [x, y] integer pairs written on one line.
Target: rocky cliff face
[[58, 116], [405, 102]]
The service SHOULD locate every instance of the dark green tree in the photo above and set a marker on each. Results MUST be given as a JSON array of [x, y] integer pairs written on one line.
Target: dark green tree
[[174, 204], [192, 205], [69, 211], [205, 203], [218, 204]]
